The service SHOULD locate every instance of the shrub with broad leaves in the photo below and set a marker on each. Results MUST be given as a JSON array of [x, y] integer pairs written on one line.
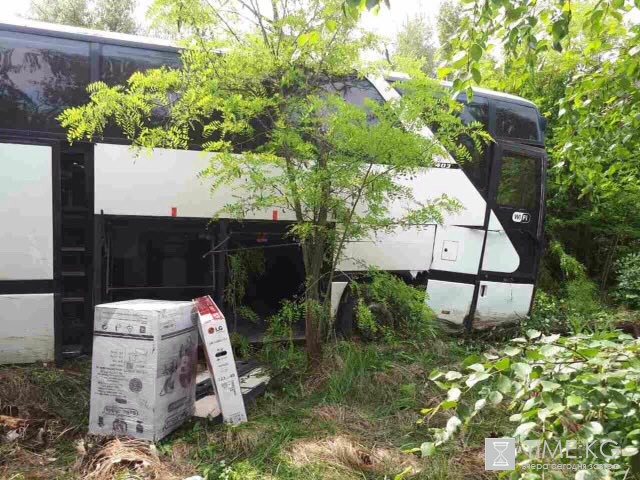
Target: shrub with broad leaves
[[582, 389]]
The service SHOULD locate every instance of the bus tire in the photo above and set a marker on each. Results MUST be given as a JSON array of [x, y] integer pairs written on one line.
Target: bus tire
[[345, 318]]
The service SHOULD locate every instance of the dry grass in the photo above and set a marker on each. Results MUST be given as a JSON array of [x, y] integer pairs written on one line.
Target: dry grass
[[136, 458], [351, 455]]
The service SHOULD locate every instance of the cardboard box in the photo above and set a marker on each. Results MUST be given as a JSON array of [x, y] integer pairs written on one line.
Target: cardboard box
[[220, 361], [144, 368]]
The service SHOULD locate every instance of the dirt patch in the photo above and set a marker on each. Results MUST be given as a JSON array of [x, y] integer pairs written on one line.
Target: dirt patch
[[352, 455]]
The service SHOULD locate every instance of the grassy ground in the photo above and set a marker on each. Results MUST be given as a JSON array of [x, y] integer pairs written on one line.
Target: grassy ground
[[352, 420]]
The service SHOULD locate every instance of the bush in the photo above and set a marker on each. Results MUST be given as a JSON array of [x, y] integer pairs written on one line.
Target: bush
[[279, 349], [389, 307], [546, 315], [627, 291], [582, 389]]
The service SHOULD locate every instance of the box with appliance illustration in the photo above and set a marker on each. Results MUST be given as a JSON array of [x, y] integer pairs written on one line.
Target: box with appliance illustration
[[220, 361], [144, 368]]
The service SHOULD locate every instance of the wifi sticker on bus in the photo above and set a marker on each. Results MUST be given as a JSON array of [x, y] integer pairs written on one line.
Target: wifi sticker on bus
[[521, 217]]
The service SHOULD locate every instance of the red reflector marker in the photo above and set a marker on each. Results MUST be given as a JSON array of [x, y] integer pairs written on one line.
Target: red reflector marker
[[174, 211], [274, 214]]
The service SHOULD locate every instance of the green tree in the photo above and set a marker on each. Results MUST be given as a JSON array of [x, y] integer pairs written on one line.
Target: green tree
[[266, 112], [447, 24], [415, 41], [66, 12], [115, 16], [110, 15], [580, 62]]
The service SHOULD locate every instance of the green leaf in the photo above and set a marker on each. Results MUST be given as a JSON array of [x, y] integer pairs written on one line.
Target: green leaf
[[524, 429], [495, 397], [454, 394], [629, 451], [574, 400], [442, 72], [533, 334], [512, 351], [550, 350], [522, 370], [480, 404], [448, 404], [502, 364], [588, 352], [427, 449], [476, 378], [314, 37], [476, 367], [459, 60], [303, 39], [331, 25], [593, 428], [503, 384], [549, 386], [452, 424], [475, 52], [453, 375], [470, 360]]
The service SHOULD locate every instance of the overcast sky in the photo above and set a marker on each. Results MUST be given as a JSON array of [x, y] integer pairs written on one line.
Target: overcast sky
[[386, 23]]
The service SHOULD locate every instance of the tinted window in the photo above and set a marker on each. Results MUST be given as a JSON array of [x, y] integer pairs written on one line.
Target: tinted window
[[39, 77], [117, 64], [356, 91], [516, 121], [518, 182], [476, 111]]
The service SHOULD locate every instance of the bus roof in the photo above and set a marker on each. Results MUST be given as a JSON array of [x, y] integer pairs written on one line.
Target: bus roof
[[399, 76], [78, 33]]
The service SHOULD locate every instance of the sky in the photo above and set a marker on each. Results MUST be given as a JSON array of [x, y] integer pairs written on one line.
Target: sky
[[386, 23]]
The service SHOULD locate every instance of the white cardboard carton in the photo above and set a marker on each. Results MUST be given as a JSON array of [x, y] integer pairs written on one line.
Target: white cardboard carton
[[220, 361], [144, 368]]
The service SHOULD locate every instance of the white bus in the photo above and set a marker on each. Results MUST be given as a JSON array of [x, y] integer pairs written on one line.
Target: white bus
[[91, 223]]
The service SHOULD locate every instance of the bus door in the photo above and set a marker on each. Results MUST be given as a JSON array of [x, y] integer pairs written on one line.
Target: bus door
[[514, 236]]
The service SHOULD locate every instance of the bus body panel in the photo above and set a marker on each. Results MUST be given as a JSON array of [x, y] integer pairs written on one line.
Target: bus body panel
[[501, 302], [450, 301], [26, 216], [26, 328]]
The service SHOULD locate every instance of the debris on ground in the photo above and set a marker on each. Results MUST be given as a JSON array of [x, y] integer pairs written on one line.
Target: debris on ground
[[135, 457]]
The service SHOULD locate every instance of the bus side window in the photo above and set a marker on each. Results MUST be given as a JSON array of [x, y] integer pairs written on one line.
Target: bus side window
[[516, 121], [39, 77], [356, 91], [118, 63], [518, 182]]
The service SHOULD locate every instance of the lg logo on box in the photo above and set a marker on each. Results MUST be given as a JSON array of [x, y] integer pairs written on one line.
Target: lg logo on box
[[521, 217]]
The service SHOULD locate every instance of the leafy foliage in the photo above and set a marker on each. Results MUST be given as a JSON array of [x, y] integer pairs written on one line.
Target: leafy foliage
[[279, 349], [627, 290], [582, 388], [389, 307], [244, 266]]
